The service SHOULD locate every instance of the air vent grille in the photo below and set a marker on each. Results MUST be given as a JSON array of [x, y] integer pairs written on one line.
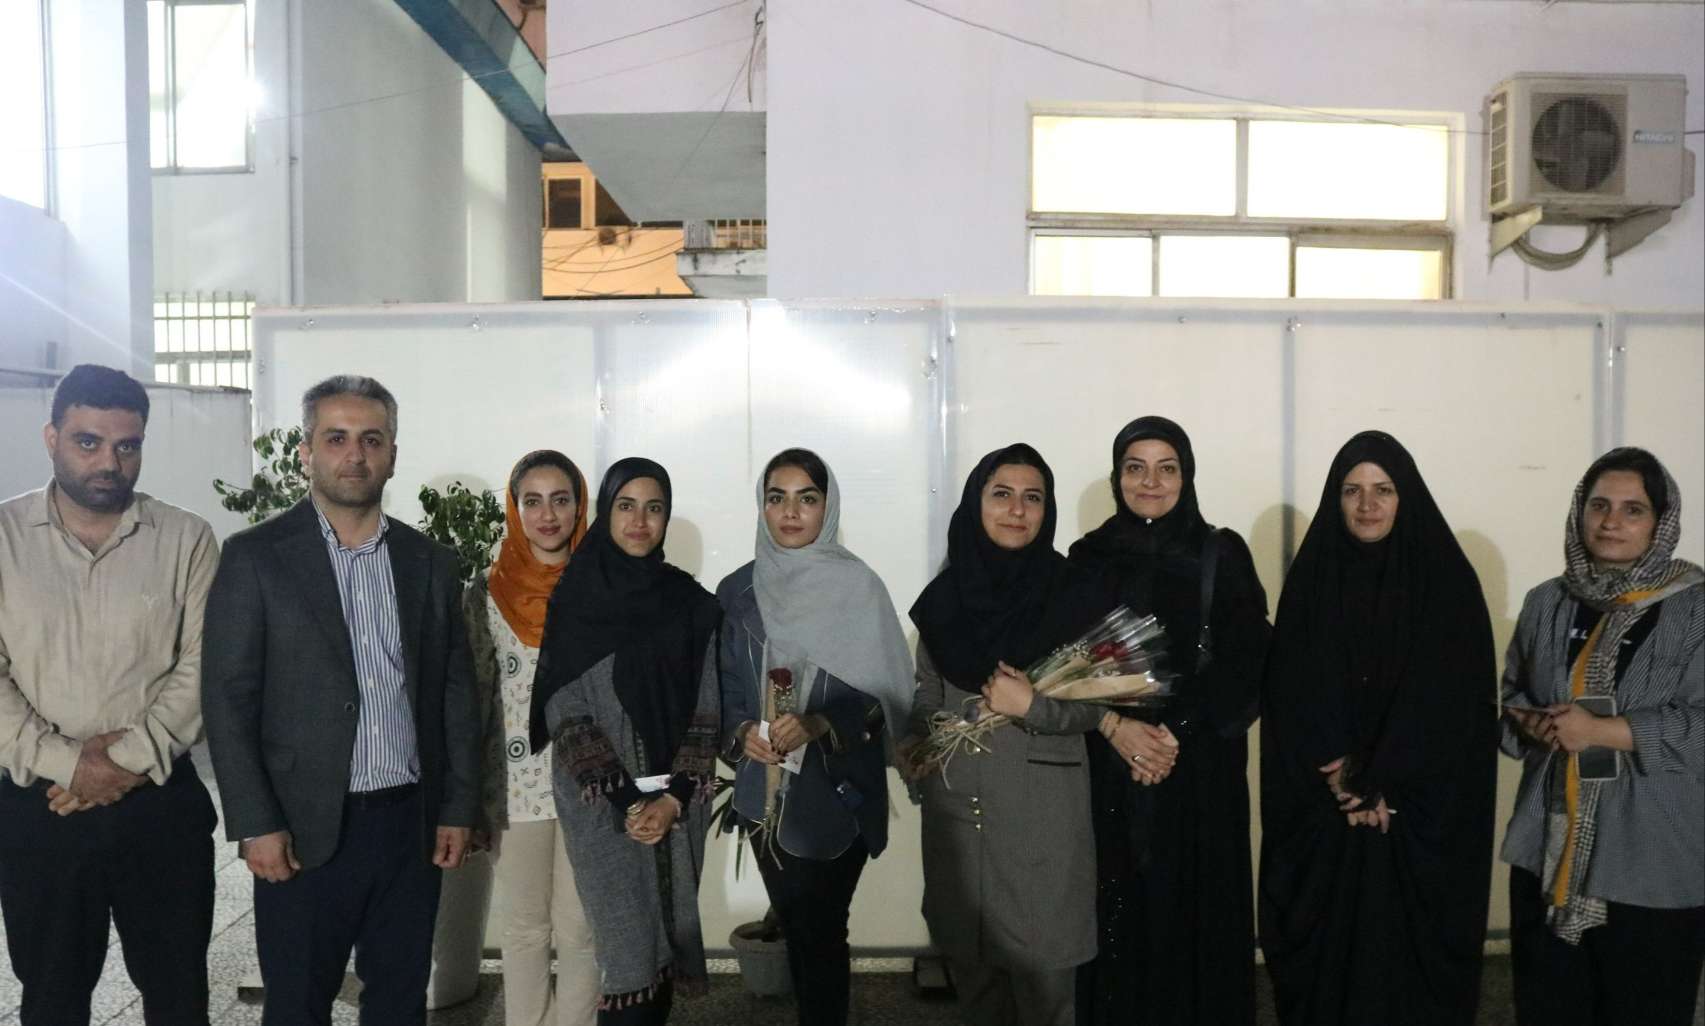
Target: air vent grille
[[1577, 142]]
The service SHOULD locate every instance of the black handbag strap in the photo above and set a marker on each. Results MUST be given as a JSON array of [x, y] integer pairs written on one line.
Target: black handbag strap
[[1210, 566]]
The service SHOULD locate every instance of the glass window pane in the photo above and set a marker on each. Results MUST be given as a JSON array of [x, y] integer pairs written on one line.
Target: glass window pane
[[23, 115], [1125, 165], [1324, 169], [159, 129], [1332, 273], [1092, 265], [608, 213], [211, 74], [562, 203], [1234, 266]]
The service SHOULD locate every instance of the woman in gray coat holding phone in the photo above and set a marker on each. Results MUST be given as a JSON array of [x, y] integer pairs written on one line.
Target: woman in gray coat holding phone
[[1008, 853], [1604, 691]]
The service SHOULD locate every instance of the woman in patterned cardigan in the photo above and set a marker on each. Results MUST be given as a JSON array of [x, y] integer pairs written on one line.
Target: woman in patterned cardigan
[[545, 519]]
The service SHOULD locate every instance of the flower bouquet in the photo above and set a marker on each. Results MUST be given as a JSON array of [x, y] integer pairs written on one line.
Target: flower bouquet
[[1115, 663]]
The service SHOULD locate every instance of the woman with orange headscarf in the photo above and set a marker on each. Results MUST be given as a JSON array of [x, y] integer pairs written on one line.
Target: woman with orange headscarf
[[505, 607]]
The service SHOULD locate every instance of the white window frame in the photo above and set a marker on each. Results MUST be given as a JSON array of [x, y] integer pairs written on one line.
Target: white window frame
[[44, 12], [170, 46], [1346, 233]]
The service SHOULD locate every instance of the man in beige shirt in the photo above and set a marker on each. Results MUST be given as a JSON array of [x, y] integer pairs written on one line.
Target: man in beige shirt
[[102, 594]]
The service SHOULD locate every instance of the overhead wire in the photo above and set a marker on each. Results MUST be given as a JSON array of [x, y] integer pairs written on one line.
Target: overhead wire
[[758, 24]]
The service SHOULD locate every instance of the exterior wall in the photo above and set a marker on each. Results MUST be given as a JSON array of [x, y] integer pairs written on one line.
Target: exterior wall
[[412, 185], [597, 261], [945, 105]]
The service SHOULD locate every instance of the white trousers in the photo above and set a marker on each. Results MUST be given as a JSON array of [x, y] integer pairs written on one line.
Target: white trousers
[[537, 900]]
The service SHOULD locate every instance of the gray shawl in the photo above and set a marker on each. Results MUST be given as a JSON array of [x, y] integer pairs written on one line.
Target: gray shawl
[[823, 604], [642, 900]]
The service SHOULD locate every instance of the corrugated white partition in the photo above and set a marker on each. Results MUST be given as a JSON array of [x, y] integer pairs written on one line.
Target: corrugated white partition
[[1503, 408], [1660, 364]]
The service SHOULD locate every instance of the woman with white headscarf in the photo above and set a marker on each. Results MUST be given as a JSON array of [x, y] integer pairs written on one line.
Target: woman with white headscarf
[[814, 665]]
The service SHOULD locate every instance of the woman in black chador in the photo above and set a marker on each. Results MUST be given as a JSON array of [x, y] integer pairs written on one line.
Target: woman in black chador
[[1176, 922], [1378, 759]]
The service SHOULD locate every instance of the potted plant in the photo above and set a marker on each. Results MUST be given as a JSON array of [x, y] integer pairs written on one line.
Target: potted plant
[[760, 947]]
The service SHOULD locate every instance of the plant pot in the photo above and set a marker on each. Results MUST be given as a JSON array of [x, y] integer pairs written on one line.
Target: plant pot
[[762, 954]]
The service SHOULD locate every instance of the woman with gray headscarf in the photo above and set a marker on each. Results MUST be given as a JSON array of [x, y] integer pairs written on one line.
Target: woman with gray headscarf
[[813, 665], [1604, 691]]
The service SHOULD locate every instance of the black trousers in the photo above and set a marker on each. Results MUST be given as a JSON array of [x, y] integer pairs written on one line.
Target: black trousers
[[378, 895], [144, 865], [811, 898], [1642, 966]]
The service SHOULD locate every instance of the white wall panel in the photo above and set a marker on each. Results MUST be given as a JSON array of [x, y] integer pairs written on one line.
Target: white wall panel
[[1663, 364], [471, 400], [1503, 408]]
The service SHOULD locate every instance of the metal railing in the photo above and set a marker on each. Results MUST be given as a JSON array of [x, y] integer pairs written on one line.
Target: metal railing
[[737, 234], [202, 338]]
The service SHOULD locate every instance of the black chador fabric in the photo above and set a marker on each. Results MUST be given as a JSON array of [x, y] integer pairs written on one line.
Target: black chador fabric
[[655, 618], [1175, 914], [1382, 653], [991, 604]]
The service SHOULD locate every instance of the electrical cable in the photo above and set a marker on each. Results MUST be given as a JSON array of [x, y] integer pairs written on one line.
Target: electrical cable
[[1170, 84], [1551, 261]]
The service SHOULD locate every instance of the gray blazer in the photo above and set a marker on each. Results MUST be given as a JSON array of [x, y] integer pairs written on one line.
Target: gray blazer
[[1008, 850], [279, 694], [1651, 835]]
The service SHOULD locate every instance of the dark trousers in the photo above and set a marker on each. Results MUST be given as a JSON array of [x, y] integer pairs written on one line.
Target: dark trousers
[[1642, 966], [143, 864], [654, 1012], [377, 895], [811, 898]]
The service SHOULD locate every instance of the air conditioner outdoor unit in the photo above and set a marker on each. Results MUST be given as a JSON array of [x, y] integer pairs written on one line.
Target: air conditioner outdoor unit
[[1587, 147]]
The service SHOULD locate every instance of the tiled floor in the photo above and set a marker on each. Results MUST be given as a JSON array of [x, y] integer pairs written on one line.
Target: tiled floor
[[880, 998]]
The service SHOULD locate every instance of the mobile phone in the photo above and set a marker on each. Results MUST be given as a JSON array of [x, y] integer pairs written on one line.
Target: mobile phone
[[1598, 763]]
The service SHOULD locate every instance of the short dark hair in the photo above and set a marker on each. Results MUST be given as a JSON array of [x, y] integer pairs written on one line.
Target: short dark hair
[[1638, 461], [347, 384], [100, 388], [805, 460], [546, 458]]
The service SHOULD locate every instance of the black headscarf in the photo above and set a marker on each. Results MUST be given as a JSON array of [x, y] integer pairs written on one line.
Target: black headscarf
[[992, 604], [1128, 543], [1359, 622], [653, 616]]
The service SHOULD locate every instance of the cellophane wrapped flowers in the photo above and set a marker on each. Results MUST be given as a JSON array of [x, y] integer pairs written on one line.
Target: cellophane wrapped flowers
[[1115, 663]]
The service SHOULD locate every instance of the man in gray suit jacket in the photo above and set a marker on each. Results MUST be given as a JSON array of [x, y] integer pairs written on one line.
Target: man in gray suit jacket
[[343, 723]]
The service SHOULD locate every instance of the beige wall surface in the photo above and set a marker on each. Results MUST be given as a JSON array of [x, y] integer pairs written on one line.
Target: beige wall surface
[[1503, 407]]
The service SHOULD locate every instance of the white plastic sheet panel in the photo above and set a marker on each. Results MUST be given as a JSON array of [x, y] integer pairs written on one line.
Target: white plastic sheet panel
[[1066, 376], [672, 388], [1502, 407], [477, 387], [1498, 411], [1663, 360]]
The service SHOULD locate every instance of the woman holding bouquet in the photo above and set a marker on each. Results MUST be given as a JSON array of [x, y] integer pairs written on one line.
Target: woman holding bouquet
[[1009, 862], [545, 520], [1378, 759], [1171, 801], [813, 663], [627, 695], [1607, 893]]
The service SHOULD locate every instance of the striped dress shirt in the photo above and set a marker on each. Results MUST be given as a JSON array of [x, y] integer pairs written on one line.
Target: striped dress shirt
[[385, 754]]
